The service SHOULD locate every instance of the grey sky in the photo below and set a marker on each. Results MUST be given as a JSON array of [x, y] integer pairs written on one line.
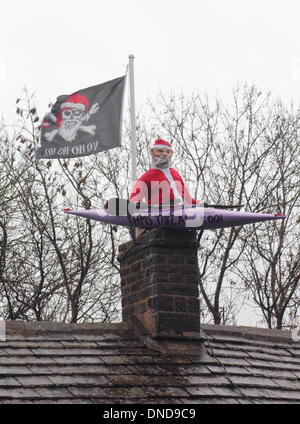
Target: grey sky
[[59, 47]]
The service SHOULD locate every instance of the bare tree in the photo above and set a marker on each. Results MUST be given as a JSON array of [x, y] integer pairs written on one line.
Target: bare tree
[[226, 152], [60, 267], [272, 255]]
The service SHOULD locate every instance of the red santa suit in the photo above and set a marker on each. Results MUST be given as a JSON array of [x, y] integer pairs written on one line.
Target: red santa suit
[[160, 186]]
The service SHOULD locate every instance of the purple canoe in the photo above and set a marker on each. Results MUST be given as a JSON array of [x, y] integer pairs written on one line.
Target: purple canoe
[[178, 218]]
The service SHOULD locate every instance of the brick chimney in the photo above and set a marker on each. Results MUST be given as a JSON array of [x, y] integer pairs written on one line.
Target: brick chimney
[[159, 283]]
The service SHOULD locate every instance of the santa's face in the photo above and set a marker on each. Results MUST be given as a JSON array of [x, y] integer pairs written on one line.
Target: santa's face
[[161, 158], [72, 119]]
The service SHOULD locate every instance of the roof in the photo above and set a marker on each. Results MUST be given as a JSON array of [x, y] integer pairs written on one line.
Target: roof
[[43, 362]]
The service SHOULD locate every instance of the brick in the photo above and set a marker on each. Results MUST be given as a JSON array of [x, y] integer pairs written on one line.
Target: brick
[[147, 292], [190, 279], [180, 304], [166, 269], [136, 267], [176, 259], [141, 307], [146, 282], [131, 299], [125, 271], [175, 289], [160, 277], [177, 322], [133, 277], [193, 305], [161, 303], [191, 260]]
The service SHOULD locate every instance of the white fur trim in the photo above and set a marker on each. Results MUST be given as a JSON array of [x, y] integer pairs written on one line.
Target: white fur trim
[[73, 105], [161, 146]]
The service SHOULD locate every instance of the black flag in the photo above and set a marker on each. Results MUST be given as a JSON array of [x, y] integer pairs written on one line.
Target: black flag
[[83, 123]]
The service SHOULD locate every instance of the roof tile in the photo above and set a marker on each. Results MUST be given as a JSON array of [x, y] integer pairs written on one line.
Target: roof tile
[[253, 381], [79, 380], [34, 381], [103, 392], [210, 381], [8, 381]]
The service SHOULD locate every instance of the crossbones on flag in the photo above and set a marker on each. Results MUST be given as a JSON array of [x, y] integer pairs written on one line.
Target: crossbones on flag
[[83, 123]]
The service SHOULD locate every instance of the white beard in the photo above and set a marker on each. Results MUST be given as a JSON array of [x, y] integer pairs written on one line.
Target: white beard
[[68, 129], [160, 162]]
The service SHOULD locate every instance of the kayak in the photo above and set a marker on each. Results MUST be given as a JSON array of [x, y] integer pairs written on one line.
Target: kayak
[[178, 218]]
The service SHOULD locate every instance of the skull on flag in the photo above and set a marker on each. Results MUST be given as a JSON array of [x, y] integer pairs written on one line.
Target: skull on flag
[[74, 112]]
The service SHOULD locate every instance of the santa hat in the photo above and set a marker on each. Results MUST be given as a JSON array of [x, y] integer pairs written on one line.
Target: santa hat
[[74, 101], [77, 101], [161, 144]]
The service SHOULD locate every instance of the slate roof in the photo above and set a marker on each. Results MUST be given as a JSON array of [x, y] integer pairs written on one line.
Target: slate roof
[[96, 363]]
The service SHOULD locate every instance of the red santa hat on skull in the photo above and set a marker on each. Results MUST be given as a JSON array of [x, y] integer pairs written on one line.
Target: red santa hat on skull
[[161, 144], [76, 101]]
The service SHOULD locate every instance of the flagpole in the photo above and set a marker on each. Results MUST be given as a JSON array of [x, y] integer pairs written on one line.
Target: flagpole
[[132, 117]]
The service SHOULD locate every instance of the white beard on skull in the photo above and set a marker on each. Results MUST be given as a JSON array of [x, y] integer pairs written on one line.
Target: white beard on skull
[[68, 129]]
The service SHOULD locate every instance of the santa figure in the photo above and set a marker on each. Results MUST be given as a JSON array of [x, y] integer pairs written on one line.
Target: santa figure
[[161, 185]]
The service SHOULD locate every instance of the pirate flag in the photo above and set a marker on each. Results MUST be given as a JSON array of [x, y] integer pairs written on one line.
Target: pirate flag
[[83, 123]]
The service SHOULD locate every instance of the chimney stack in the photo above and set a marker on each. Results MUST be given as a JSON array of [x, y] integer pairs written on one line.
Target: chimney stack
[[159, 283]]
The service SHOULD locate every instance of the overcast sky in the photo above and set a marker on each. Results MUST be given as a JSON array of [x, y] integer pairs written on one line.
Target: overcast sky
[[61, 46]]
